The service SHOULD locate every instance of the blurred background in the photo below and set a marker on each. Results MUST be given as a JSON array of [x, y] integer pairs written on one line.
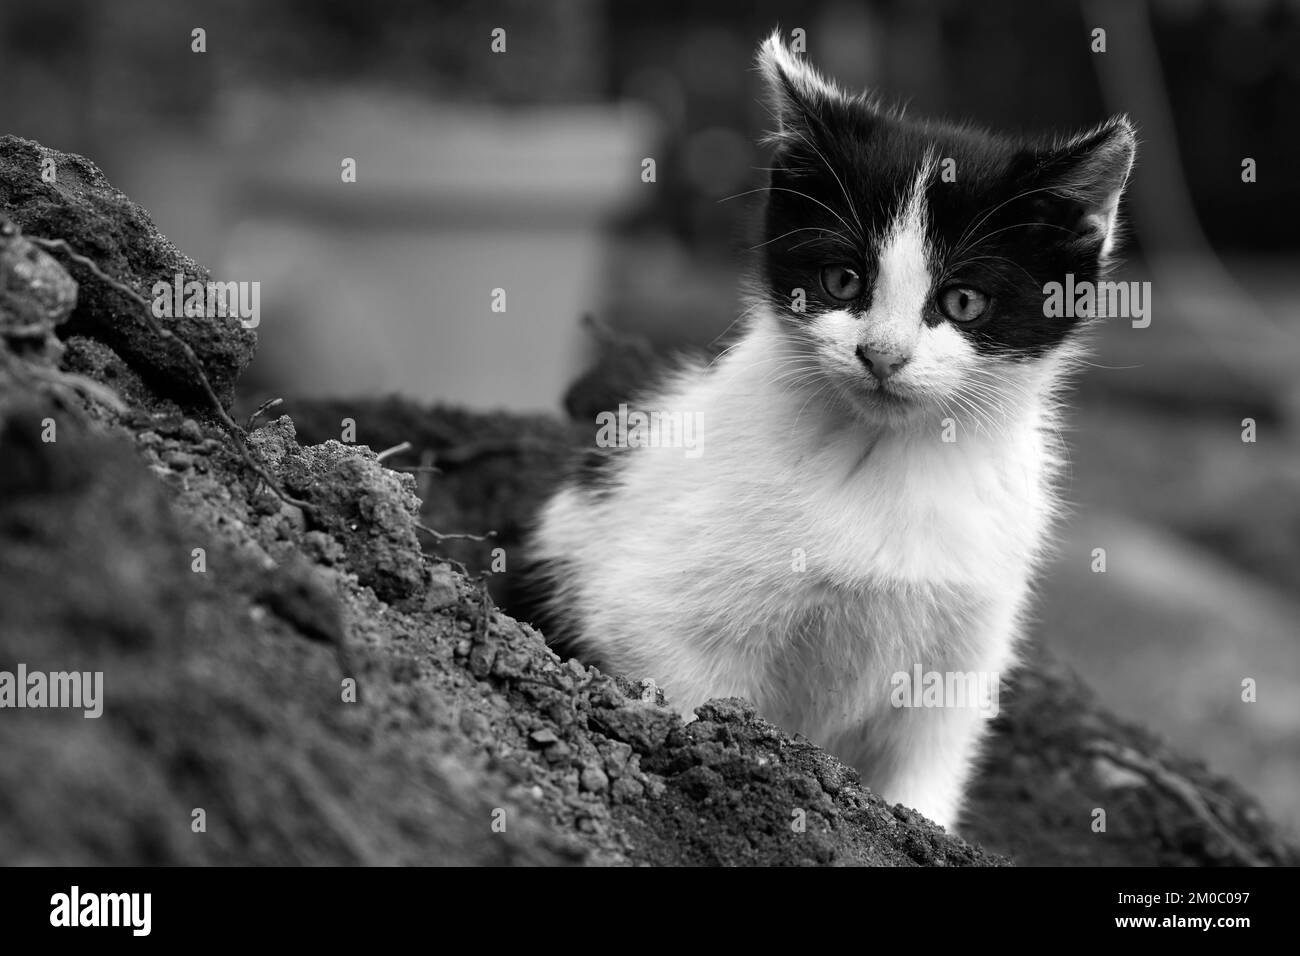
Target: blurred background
[[521, 171]]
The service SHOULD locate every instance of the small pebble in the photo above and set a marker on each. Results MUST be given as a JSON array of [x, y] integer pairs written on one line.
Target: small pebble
[[594, 779], [474, 724]]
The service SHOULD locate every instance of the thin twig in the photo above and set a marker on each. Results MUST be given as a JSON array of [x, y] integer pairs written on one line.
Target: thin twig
[[485, 604], [235, 432], [395, 450], [425, 469], [443, 536], [261, 410], [87, 387], [441, 559]]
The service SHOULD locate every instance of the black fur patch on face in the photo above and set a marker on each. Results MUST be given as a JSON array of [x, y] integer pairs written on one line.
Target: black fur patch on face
[[1004, 217], [1026, 218]]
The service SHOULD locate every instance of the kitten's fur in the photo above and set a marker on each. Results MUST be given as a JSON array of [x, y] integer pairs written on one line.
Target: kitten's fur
[[914, 550]]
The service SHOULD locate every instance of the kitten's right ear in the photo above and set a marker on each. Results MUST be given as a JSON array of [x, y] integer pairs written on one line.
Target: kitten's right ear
[[1090, 171], [799, 97]]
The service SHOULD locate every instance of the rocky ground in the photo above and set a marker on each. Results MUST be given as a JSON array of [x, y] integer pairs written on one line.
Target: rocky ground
[[289, 647]]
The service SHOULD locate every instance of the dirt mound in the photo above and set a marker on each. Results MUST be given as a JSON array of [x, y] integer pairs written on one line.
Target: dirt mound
[[61, 195], [289, 678]]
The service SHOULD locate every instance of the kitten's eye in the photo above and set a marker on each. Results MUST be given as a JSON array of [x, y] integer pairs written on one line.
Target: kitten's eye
[[962, 304], [841, 282]]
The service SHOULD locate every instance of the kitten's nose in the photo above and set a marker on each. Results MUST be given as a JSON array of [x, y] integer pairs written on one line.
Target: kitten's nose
[[881, 364]]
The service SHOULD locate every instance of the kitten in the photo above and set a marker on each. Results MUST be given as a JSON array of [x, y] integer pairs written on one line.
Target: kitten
[[873, 482]]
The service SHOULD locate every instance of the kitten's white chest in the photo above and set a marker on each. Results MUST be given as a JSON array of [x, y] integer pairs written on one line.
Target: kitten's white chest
[[913, 509], [833, 669], [917, 553]]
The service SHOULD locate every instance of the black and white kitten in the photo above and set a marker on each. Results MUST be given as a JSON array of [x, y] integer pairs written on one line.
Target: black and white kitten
[[872, 484]]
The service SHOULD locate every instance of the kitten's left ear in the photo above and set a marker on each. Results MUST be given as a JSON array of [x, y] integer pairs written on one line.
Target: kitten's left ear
[[799, 96], [1091, 170]]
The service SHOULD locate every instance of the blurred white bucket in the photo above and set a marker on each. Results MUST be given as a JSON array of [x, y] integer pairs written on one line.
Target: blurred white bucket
[[387, 284]]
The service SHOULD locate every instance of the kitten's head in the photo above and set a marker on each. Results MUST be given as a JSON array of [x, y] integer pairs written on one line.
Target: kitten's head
[[906, 260]]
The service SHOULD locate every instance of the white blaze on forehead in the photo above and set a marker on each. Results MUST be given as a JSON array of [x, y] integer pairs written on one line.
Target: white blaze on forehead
[[902, 287]]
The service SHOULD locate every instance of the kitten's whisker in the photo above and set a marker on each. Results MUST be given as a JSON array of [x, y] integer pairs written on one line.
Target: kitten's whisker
[[785, 189], [1004, 394], [964, 402], [796, 372], [825, 384], [861, 232], [848, 200], [975, 224], [1109, 368], [745, 314], [990, 398], [832, 232], [1018, 225], [952, 268]]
